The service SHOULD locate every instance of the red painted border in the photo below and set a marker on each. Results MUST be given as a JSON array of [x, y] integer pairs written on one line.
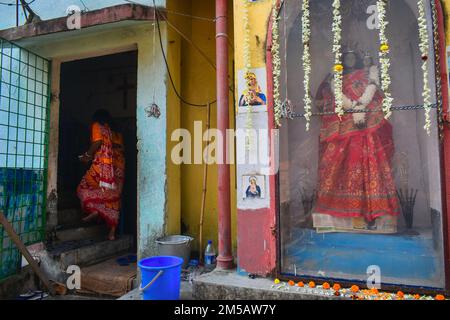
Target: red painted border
[[445, 147], [271, 126]]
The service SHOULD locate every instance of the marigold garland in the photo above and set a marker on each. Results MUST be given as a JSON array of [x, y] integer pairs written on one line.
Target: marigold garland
[[306, 60], [424, 47], [354, 292], [385, 61], [276, 63], [338, 68]]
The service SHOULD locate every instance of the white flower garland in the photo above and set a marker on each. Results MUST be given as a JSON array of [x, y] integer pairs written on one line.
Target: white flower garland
[[424, 47], [276, 64], [385, 62], [338, 68], [247, 66], [306, 59]]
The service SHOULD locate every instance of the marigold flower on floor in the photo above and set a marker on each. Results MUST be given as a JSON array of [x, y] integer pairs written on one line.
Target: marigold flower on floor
[[312, 284], [354, 288]]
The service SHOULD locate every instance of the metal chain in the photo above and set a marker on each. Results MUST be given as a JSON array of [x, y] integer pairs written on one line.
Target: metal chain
[[291, 115]]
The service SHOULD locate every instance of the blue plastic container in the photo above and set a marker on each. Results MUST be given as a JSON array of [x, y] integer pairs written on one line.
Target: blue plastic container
[[167, 285]]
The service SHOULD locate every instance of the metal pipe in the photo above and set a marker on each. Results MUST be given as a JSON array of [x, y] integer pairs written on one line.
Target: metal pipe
[[17, 13], [225, 258]]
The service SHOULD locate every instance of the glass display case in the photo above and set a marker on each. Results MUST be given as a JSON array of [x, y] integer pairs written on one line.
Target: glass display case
[[361, 190]]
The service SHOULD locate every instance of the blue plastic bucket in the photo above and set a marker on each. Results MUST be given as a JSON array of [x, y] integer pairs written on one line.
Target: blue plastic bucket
[[161, 277]]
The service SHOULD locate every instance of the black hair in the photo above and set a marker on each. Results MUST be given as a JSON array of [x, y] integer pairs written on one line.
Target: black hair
[[103, 117]]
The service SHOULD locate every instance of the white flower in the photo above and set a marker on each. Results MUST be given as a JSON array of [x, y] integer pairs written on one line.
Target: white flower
[[424, 46], [337, 36], [276, 64]]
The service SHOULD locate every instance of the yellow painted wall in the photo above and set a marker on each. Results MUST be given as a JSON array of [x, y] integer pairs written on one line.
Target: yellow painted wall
[[259, 13], [198, 85], [446, 6]]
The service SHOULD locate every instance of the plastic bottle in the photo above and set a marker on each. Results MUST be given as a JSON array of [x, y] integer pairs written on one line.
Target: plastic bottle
[[210, 256]]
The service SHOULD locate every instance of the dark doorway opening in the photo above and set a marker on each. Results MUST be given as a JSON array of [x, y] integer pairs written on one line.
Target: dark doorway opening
[[107, 82]]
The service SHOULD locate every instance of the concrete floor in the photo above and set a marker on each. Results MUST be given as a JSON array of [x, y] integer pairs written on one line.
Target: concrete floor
[[230, 285], [186, 293]]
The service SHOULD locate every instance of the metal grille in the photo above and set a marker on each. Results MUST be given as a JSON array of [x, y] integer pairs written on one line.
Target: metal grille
[[24, 115]]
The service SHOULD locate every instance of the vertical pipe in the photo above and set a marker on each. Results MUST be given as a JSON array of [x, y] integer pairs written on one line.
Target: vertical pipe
[[225, 258], [17, 13]]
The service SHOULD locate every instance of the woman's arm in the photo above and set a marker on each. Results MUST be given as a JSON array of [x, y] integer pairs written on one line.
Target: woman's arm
[[89, 155]]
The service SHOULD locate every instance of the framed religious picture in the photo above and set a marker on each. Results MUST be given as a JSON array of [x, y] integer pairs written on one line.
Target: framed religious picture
[[252, 90], [253, 187]]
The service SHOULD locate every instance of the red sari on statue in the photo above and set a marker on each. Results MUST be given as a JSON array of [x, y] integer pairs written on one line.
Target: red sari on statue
[[100, 189], [356, 186]]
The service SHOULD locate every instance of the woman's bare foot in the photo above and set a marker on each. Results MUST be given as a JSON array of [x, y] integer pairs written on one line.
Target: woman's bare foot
[[112, 234], [90, 217]]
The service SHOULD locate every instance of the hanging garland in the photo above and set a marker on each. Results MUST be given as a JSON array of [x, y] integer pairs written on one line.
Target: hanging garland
[[276, 61], [424, 46], [338, 67], [385, 62], [306, 59]]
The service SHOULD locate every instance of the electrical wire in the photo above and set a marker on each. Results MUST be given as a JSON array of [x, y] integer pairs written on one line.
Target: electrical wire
[[84, 5], [15, 4], [167, 65], [157, 13]]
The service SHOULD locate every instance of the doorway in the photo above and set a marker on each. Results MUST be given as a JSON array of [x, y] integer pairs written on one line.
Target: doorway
[[105, 82]]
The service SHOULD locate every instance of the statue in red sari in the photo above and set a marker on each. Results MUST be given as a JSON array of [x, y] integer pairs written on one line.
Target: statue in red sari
[[356, 187]]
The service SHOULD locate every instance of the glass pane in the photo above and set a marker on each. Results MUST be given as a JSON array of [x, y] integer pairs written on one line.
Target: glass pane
[[362, 190]]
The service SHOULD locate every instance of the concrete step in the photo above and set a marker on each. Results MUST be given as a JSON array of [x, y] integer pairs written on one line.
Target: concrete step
[[81, 231], [93, 252], [56, 257], [69, 216], [229, 285]]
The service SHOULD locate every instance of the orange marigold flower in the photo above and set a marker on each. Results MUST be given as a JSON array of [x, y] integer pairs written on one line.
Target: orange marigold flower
[[440, 297], [291, 283], [337, 287], [374, 291], [326, 286], [312, 284], [400, 295], [416, 297], [301, 284], [354, 288]]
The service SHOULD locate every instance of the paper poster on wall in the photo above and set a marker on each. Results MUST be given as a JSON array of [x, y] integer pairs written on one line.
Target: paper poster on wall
[[254, 187], [252, 90]]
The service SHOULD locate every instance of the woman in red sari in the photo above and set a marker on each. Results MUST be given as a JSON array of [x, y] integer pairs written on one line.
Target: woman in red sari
[[101, 187], [356, 186]]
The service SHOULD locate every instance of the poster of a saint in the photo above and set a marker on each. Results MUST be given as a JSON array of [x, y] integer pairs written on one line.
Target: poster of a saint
[[252, 90]]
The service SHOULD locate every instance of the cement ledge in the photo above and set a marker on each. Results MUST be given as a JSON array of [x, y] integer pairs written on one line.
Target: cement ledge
[[229, 285]]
